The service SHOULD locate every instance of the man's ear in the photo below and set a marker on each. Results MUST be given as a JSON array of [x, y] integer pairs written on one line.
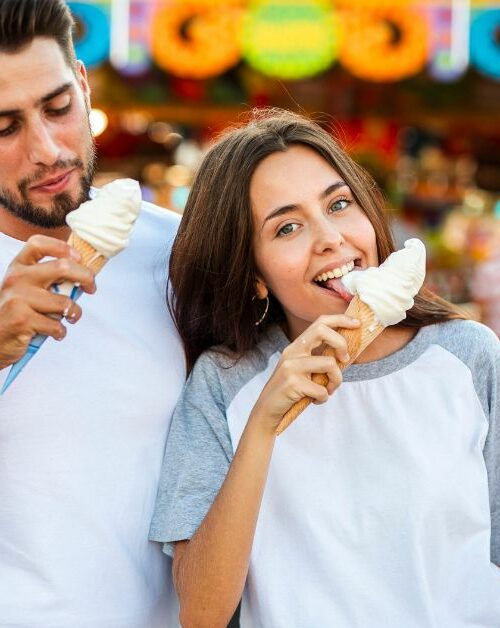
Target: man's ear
[[81, 75]]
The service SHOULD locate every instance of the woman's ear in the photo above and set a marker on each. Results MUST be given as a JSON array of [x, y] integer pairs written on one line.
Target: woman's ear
[[260, 289]]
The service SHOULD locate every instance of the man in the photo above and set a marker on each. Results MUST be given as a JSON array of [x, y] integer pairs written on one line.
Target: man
[[83, 427]]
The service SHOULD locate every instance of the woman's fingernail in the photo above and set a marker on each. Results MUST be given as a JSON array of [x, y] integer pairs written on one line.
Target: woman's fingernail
[[75, 254], [346, 358]]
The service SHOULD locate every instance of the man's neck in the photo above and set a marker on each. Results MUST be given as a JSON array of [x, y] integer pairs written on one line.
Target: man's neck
[[20, 230]]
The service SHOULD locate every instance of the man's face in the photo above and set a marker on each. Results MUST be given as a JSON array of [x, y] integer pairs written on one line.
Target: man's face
[[47, 153]]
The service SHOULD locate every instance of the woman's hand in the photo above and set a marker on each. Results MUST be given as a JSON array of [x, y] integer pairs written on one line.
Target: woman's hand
[[292, 378]]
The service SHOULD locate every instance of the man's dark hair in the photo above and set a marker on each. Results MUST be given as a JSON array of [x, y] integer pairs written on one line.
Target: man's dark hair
[[23, 20]]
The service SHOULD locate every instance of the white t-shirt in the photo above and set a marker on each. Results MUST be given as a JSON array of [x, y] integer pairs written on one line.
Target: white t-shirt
[[381, 507], [82, 434]]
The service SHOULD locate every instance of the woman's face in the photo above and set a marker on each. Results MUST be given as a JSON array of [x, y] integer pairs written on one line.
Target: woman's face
[[306, 224]]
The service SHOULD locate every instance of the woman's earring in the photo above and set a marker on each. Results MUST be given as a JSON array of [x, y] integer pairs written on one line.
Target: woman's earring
[[265, 309]]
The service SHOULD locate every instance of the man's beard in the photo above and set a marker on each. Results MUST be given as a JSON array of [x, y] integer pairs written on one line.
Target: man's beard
[[62, 203]]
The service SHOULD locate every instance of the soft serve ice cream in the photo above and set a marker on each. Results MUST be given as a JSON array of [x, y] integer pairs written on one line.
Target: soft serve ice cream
[[105, 222], [390, 288]]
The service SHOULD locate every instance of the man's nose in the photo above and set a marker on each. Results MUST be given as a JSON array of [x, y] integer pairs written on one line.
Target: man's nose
[[42, 146]]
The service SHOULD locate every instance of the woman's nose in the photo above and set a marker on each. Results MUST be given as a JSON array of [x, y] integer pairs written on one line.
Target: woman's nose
[[326, 238]]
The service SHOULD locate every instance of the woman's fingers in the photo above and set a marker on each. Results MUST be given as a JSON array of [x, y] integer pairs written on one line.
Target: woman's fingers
[[334, 378], [298, 374], [319, 394], [322, 331]]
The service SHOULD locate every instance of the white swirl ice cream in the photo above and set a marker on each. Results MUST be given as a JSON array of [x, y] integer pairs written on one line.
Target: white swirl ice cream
[[390, 288], [105, 221]]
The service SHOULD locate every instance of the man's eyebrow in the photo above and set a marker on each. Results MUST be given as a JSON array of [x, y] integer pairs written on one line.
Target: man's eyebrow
[[56, 92], [288, 208], [44, 99]]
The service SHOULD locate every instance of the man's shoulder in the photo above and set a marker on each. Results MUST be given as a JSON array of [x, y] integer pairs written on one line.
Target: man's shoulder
[[159, 217], [155, 227]]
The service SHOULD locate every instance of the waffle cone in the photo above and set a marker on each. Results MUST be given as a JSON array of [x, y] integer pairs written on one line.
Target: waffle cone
[[91, 258], [357, 341]]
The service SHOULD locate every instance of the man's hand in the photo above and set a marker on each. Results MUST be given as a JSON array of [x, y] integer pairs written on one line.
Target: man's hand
[[26, 301]]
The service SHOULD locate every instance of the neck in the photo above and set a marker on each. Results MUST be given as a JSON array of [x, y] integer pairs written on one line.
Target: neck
[[20, 230]]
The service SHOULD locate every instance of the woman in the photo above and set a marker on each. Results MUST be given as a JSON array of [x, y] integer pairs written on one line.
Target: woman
[[373, 508]]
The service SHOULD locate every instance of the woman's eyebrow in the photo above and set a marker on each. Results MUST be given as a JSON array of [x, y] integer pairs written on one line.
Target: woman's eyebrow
[[332, 188], [288, 208]]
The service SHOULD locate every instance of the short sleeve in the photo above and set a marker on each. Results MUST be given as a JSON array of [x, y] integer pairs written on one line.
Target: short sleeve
[[197, 457]]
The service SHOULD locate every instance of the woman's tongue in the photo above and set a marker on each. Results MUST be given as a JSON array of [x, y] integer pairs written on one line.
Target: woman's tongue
[[338, 287]]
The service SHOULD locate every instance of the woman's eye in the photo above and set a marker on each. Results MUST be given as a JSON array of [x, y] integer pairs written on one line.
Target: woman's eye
[[339, 204], [287, 229]]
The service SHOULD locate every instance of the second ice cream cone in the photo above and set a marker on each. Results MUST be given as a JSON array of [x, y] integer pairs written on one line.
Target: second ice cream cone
[[357, 341], [91, 258]]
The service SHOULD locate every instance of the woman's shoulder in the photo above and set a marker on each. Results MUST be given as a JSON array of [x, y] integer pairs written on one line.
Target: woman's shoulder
[[223, 368], [475, 344], [465, 333]]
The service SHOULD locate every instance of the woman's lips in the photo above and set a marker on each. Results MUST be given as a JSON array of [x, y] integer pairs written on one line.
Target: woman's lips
[[55, 185]]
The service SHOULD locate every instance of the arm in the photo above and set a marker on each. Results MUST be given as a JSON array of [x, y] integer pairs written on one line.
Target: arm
[[27, 306], [210, 569]]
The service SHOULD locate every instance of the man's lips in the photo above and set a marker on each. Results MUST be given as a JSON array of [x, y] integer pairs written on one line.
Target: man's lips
[[54, 184]]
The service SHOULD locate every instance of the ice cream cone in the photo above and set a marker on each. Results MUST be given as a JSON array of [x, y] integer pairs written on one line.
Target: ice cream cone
[[100, 228], [94, 261], [357, 341], [91, 258]]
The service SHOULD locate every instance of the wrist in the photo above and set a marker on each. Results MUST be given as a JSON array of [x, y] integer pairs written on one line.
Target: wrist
[[262, 424]]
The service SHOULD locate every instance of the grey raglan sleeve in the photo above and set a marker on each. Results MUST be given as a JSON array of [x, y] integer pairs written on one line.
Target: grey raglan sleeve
[[197, 457], [489, 390], [479, 348]]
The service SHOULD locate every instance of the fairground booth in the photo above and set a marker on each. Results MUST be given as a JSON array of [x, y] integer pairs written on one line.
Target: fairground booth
[[412, 89]]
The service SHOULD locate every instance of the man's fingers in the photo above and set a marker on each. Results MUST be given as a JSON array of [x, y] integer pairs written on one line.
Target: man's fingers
[[48, 326], [45, 302], [46, 274], [39, 246]]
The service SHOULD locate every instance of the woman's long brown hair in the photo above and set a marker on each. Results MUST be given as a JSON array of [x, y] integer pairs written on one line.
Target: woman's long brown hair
[[212, 267]]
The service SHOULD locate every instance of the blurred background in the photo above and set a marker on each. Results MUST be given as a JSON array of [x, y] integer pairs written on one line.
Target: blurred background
[[411, 89]]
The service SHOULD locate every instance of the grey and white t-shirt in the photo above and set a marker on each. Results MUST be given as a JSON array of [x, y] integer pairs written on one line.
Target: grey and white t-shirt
[[382, 506]]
